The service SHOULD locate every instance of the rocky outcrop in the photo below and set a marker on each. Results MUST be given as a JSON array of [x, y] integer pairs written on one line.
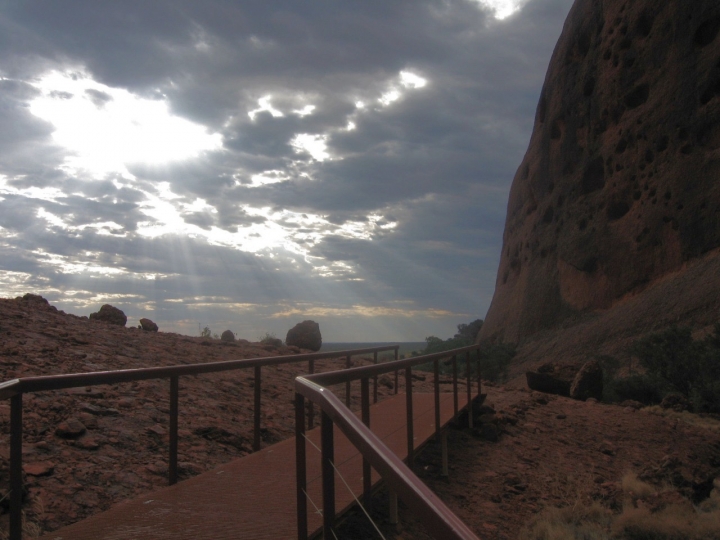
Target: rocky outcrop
[[148, 325], [619, 184], [109, 314], [553, 378], [305, 335], [588, 383]]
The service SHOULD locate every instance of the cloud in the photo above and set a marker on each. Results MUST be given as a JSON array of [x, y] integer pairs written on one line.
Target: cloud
[[347, 161]]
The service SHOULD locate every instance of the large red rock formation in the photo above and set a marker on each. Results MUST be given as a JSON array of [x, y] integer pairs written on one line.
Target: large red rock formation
[[621, 181]]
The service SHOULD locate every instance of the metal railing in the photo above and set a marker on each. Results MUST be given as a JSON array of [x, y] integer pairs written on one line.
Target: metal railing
[[439, 520], [14, 390]]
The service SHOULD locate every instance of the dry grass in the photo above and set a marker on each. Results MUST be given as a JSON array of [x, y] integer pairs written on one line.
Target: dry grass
[[678, 520], [696, 420]]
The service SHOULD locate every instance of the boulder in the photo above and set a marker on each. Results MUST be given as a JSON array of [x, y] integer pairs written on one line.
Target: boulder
[[588, 383], [109, 314], [70, 428], [148, 325], [618, 188], [305, 335], [228, 335], [553, 378], [676, 402]]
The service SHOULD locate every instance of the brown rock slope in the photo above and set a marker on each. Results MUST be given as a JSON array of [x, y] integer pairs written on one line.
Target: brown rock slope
[[86, 449], [621, 181]]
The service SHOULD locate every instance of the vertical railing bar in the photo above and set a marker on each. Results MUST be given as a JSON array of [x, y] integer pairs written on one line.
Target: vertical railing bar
[[365, 413], [436, 370], [348, 364], [375, 378], [173, 458], [301, 467], [256, 427], [455, 387], [479, 375], [328, 474], [410, 427], [396, 373], [469, 389], [16, 484], [311, 405]]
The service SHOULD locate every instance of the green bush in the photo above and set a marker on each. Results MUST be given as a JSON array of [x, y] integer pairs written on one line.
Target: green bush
[[494, 359], [640, 388], [674, 362]]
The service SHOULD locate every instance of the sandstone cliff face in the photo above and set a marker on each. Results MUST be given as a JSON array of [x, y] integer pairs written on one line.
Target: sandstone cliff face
[[621, 180]]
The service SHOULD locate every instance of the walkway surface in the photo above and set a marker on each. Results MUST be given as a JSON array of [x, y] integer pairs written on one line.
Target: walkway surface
[[254, 497]]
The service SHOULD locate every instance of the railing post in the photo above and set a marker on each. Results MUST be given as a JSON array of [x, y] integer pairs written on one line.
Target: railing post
[[348, 364], [396, 373], [256, 428], [469, 389], [478, 372], [328, 474], [365, 413], [311, 405], [410, 430], [375, 361], [16, 436], [436, 370], [300, 467], [173, 458], [455, 388], [393, 510]]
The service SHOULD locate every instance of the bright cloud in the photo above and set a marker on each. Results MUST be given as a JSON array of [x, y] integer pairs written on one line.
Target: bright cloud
[[503, 8], [315, 145], [105, 128]]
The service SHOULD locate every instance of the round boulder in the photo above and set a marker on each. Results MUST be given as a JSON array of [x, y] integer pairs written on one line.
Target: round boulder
[[305, 335], [227, 335], [588, 382], [148, 325], [109, 314]]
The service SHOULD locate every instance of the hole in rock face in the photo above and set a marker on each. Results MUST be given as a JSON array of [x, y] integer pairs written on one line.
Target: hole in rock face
[[590, 265], [548, 215], [617, 209], [584, 44], [707, 32], [662, 143], [649, 156], [621, 146], [644, 25], [582, 225], [555, 131], [637, 96], [589, 87], [712, 90], [594, 176]]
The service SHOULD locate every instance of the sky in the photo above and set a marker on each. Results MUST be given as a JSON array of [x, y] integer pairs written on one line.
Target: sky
[[250, 165]]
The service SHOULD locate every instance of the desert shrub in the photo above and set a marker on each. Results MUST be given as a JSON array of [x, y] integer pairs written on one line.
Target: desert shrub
[[206, 332], [673, 361], [269, 339], [646, 390], [494, 359]]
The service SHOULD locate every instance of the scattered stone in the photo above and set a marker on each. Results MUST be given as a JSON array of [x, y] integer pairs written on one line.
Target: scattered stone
[[70, 428], [39, 468], [305, 335], [553, 378], [109, 314], [588, 382], [228, 336], [87, 443], [148, 325]]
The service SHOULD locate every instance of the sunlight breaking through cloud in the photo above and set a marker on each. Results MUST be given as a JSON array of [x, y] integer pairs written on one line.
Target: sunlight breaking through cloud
[[503, 8], [106, 128]]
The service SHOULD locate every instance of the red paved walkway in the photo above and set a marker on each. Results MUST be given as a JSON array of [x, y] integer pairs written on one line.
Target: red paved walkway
[[254, 497]]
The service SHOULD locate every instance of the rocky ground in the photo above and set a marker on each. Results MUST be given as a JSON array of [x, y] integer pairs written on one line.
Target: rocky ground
[[87, 449], [557, 452]]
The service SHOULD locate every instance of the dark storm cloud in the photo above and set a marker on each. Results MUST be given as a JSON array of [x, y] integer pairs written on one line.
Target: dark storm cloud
[[437, 163]]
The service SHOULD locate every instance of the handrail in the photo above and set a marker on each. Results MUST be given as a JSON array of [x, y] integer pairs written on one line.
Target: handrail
[[439, 520], [15, 388]]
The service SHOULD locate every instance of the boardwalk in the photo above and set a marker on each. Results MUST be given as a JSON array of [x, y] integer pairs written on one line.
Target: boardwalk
[[254, 497]]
